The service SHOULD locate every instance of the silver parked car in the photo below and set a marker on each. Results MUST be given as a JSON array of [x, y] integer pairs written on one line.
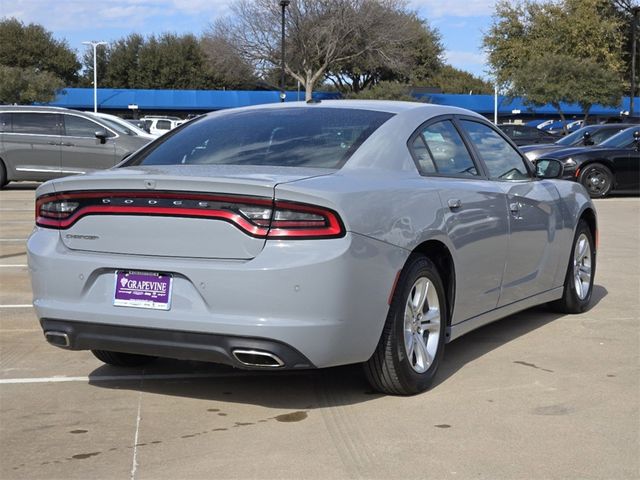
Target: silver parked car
[[304, 236], [41, 143]]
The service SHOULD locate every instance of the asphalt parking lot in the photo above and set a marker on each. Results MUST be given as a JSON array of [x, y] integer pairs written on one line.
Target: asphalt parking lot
[[537, 395]]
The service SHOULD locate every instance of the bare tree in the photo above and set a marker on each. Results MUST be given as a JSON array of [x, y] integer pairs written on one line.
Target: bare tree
[[228, 68], [320, 34]]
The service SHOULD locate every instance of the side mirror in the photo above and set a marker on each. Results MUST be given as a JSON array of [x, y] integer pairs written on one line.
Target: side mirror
[[586, 139], [102, 135], [549, 168]]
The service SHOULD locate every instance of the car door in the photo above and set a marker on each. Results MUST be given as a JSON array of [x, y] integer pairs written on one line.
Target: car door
[[82, 151], [626, 163], [475, 217], [31, 145], [534, 217]]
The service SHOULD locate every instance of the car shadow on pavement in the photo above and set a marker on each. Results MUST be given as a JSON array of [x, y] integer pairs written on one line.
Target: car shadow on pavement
[[309, 389]]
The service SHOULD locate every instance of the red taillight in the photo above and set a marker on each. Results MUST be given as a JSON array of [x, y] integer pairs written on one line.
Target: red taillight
[[256, 216], [296, 220]]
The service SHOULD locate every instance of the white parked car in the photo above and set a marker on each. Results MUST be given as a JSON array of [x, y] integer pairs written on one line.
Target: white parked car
[[161, 125], [123, 124]]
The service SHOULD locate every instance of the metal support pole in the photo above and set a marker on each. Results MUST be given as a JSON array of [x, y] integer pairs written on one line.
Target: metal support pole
[[95, 79], [495, 104], [283, 4], [634, 49], [95, 72]]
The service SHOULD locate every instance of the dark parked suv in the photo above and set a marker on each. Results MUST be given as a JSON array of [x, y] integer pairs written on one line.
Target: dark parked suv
[[41, 143]]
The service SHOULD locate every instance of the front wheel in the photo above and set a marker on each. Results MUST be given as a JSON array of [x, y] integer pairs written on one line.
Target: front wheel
[[578, 283], [412, 342], [597, 179]]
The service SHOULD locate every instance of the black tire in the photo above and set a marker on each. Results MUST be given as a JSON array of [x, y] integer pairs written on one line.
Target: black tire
[[391, 369], [597, 179], [119, 359], [3, 175], [572, 301]]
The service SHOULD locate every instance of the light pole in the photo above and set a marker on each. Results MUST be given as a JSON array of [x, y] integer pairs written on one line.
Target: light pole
[[634, 26], [284, 4], [95, 44]]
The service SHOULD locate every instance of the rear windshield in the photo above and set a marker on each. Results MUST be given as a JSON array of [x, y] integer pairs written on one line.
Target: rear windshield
[[307, 136]]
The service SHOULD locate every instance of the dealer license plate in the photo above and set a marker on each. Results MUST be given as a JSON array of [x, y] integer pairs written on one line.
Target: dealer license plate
[[143, 290]]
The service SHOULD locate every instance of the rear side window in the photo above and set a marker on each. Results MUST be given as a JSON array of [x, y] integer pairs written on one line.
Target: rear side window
[[439, 149], [501, 159], [163, 125], [35, 123], [306, 136]]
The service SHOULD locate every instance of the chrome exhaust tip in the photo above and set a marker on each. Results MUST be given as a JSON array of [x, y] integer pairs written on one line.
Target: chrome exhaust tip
[[59, 339], [257, 358]]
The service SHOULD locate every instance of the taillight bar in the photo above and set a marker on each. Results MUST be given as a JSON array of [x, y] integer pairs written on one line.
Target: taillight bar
[[256, 216]]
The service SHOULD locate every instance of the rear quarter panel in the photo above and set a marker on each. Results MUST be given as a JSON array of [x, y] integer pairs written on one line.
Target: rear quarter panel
[[574, 202]]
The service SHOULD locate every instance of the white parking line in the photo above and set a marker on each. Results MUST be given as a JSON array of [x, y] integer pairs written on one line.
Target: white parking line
[[16, 209], [134, 463], [108, 378], [25, 305], [16, 265], [13, 240]]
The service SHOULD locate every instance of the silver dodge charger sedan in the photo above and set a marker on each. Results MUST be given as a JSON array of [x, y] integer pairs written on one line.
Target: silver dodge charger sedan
[[309, 235]]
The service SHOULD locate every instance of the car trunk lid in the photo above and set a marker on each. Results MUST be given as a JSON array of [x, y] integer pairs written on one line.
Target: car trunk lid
[[174, 211]]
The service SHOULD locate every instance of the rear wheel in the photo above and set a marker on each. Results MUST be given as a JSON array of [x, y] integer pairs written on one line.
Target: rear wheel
[[3, 175], [119, 359], [412, 342], [597, 179], [578, 283]]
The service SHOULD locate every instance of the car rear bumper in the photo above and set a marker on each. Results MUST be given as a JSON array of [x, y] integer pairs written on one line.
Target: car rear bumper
[[326, 299], [243, 352]]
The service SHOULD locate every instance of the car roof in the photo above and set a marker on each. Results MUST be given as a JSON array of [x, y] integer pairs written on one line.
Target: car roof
[[34, 108], [388, 106]]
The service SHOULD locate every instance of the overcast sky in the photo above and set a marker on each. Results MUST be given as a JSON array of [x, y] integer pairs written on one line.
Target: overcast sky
[[461, 22]]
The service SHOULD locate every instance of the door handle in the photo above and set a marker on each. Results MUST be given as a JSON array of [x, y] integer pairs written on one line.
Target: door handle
[[454, 203], [53, 143], [514, 208], [67, 144]]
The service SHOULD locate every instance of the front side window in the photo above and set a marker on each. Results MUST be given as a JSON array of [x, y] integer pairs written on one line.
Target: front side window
[[623, 139], [305, 136], [501, 159], [35, 123], [439, 149], [163, 125], [80, 127]]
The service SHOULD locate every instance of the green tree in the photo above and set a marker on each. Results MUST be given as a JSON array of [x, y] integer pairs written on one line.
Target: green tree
[[582, 81], [26, 85], [528, 33], [33, 64], [167, 61], [122, 66], [452, 80]]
